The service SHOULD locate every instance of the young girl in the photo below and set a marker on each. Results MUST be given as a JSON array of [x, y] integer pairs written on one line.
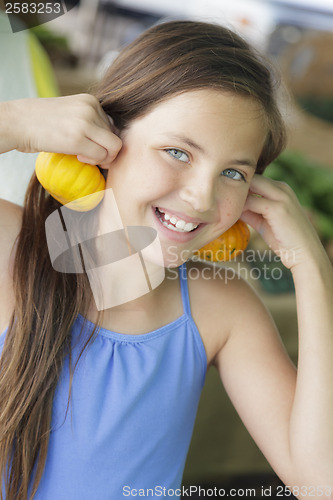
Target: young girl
[[103, 413]]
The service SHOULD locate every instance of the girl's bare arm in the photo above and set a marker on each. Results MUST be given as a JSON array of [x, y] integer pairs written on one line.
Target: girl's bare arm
[[289, 416]]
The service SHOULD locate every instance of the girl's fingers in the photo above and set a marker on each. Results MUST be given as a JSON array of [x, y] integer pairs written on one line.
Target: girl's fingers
[[102, 146], [86, 159], [273, 210], [273, 200], [261, 226], [75, 125], [260, 205], [71, 125], [273, 190], [254, 220]]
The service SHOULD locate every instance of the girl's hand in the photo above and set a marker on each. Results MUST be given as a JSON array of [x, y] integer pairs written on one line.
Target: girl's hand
[[71, 125], [274, 211]]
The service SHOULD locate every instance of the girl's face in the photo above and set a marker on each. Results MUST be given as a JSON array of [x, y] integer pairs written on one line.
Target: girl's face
[[185, 168]]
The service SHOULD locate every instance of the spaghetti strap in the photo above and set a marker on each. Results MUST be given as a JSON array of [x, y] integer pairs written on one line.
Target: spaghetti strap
[[184, 289]]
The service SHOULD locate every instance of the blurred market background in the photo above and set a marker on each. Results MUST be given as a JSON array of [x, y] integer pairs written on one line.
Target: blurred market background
[[68, 54]]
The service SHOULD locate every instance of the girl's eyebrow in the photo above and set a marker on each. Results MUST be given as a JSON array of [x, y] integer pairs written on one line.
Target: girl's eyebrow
[[189, 142], [248, 163], [195, 145]]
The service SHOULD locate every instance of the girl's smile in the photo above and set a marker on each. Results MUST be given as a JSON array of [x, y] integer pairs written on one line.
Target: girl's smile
[[185, 167], [183, 226]]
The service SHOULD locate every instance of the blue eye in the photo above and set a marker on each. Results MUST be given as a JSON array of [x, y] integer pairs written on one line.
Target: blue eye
[[178, 154], [233, 174]]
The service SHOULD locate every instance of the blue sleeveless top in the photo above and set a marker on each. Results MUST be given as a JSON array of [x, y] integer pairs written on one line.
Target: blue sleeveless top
[[134, 402]]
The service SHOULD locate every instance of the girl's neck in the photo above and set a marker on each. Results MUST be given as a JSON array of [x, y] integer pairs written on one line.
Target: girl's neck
[[143, 314]]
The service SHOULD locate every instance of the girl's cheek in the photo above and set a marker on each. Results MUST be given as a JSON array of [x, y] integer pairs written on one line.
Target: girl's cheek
[[229, 209]]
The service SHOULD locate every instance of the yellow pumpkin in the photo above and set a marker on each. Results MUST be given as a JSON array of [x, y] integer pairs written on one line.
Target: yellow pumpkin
[[228, 245], [69, 180]]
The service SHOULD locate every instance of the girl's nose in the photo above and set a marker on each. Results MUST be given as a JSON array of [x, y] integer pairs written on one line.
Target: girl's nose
[[200, 194]]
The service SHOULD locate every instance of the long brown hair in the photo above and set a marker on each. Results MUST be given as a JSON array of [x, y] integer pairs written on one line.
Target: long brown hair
[[180, 56], [170, 58]]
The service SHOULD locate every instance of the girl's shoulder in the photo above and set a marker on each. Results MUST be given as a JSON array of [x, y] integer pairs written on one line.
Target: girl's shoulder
[[10, 209], [218, 287], [10, 225], [219, 297]]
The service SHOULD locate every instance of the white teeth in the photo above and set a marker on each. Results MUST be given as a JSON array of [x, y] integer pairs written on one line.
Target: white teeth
[[173, 228], [189, 226], [178, 225]]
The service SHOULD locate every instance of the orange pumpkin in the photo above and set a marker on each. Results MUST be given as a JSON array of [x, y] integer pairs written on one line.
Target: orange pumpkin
[[227, 246], [69, 180]]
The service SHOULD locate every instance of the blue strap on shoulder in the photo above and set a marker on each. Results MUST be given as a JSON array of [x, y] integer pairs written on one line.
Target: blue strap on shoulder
[[184, 289]]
